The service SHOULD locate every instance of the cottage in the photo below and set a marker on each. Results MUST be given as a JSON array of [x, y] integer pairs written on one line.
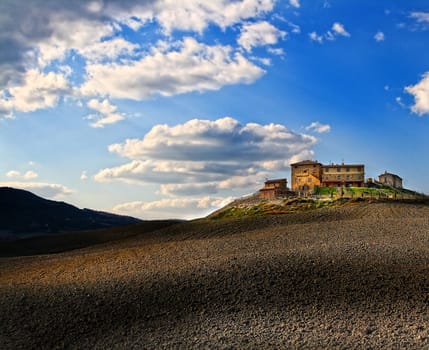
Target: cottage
[[390, 179], [274, 189]]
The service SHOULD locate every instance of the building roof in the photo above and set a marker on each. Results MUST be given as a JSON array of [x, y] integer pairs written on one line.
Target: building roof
[[275, 181], [306, 162], [390, 174], [341, 165]]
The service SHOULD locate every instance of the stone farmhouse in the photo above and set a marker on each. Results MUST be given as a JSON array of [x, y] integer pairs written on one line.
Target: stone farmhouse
[[274, 189], [308, 174], [390, 180]]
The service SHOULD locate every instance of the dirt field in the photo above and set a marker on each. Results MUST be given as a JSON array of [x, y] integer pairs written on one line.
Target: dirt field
[[353, 277]]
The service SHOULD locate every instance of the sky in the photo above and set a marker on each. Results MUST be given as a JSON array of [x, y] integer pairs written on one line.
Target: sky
[[170, 109]]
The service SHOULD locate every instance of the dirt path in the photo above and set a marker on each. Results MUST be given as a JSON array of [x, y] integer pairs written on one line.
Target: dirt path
[[355, 277]]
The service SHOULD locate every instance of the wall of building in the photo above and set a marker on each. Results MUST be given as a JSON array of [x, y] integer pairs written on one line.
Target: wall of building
[[305, 176], [390, 180], [343, 175]]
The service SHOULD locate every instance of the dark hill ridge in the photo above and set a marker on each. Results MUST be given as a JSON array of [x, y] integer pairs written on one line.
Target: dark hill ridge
[[23, 213]]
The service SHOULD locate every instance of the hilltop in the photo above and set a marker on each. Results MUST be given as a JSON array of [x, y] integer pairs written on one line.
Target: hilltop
[[327, 198]]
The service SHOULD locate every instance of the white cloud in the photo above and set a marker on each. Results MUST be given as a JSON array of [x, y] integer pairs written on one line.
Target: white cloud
[[259, 34], [49, 31], [339, 29], [198, 152], [196, 15], [295, 3], [69, 33], [420, 17], [108, 50], [107, 113], [315, 37], [37, 91], [336, 31], [29, 175], [420, 91], [318, 127], [84, 175], [40, 188], [276, 51], [379, 36], [193, 67], [295, 28], [13, 174], [188, 208], [399, 101]]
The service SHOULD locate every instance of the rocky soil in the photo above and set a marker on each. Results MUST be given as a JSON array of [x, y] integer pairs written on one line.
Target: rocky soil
[[352, 277]]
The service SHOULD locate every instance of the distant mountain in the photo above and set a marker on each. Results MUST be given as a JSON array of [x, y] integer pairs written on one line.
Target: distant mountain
[[23, 213]]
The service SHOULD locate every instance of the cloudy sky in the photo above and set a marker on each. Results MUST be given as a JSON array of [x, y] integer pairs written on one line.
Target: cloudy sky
[[170, 108]]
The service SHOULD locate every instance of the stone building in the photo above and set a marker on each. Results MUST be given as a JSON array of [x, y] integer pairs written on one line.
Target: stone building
[[274, 189], [309, 174], [390, 179], [336, 175], [306, 175]]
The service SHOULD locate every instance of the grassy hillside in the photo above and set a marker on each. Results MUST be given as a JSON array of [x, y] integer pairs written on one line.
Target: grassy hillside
[[327, 198]]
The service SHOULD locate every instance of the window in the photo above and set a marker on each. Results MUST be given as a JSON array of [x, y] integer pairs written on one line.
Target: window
[[347, 169], [339, 177], [339, 170]]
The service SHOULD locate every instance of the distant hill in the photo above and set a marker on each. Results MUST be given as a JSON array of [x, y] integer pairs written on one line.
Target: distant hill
[[22, 213]]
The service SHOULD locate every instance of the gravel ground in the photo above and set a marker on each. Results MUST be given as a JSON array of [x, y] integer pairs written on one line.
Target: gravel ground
[[353, 277]]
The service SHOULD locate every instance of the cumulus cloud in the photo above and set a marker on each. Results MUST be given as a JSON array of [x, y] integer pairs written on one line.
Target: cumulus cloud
[[379, 36], [84, 175], [37, 91], [40, 53], [318, 127], [107, 113], [295, 3], [51, 29], [28, 175], [210, 155], [193, 67], [259, 34], [315, 37], [337, 30], [187, 208], [420, 91], [41, 188], [196, 15]]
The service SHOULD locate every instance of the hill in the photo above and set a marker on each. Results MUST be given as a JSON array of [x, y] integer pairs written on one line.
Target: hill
[[22, 214], [353, 276], [253, 206]]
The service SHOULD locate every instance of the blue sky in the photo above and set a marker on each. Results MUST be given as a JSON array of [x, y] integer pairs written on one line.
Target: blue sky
[[163, 109]]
